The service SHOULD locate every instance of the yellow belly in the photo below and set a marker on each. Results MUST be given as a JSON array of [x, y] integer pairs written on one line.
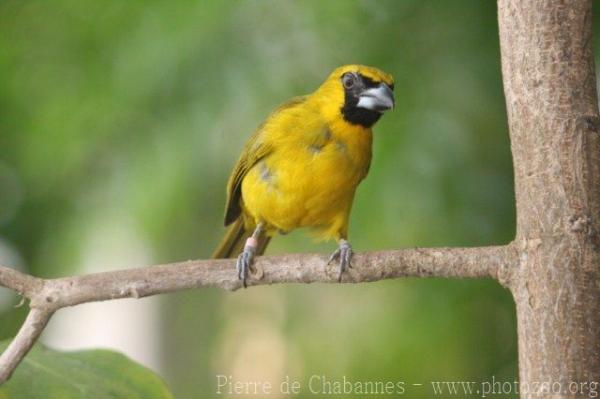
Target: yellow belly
[[304, 187]]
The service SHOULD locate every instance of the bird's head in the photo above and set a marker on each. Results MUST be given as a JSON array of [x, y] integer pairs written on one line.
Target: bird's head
[[359, 94]]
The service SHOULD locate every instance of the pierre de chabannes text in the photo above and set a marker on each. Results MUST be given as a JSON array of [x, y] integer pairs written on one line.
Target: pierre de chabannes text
[[326, 385]]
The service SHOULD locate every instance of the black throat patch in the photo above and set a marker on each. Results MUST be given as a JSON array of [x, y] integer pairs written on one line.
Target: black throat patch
[[350, 111]]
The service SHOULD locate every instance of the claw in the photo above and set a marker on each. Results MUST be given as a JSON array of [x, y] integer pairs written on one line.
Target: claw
[[344, 255], [244, 260], [335, 255], [243, 263]]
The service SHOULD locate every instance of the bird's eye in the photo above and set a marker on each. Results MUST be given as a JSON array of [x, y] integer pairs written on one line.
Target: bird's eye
[[348, 80]]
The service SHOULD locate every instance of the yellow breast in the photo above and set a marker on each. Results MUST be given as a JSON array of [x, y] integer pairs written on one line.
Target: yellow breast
[[309, 178]]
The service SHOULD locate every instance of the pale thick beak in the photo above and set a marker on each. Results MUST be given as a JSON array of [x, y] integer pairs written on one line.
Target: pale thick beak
[[380, 98]]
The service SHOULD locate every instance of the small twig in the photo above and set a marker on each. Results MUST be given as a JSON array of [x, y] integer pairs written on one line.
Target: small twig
[[22, 283], [48, 295], [30, 331]]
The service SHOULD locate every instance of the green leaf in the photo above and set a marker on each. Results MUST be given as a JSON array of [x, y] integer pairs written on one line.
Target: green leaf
[[50, 374]]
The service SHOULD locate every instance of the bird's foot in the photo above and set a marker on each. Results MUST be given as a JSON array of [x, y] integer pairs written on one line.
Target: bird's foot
[[244, 260], [344, 255]]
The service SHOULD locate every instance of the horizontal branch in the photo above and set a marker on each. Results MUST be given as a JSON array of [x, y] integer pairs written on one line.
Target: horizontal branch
[[48, 295], [53, 294]]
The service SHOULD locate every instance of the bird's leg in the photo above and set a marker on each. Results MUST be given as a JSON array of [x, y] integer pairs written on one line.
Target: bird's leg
[[344, 255], [244, 260]]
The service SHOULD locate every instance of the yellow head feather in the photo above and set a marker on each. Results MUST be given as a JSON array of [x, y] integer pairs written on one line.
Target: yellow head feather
[[375, 74]]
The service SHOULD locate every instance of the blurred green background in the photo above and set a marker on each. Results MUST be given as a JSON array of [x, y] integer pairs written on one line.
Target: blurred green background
[[119, 124]]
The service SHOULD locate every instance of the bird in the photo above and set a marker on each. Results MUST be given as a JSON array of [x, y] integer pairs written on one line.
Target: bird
[[302, 165]]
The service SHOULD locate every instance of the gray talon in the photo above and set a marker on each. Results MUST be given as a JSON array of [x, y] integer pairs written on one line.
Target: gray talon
[[334, 256], [243, 263], [344, 254]]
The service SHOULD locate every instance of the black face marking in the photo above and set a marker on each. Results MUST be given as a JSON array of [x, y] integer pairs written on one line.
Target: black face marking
[[353, 114], [368, 82]]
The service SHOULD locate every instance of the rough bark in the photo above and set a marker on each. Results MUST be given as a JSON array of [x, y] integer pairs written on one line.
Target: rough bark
[[550, 89]]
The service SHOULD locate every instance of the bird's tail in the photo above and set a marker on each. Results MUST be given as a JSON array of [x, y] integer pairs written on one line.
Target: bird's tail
[[235, 239]]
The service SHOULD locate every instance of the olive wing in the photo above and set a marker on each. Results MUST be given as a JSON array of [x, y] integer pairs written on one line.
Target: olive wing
[[255, 149]]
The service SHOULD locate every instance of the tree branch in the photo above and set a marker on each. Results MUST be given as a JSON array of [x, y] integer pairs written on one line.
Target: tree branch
[[24, 284], [550, 88], [48, 295], [30, 331]]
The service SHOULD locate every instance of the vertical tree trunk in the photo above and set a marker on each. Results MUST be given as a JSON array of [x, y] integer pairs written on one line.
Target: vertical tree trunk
[[550, 88]]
